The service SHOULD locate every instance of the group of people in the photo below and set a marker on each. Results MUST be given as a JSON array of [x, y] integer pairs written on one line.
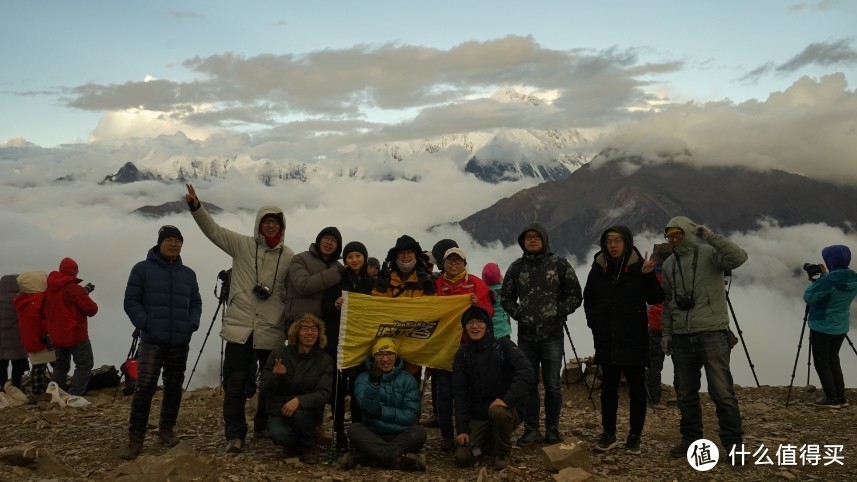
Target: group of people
[[282, 325]]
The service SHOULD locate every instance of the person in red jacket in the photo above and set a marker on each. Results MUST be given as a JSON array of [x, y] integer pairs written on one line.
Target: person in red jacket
[[67, 305], [34, 328]]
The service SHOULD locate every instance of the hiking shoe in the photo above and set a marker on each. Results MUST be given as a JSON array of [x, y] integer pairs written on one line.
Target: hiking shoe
[[826, 403], [135, 445], [552, 436], [680, 449], [843, 402], [413, 462], [531, 436], [632, 444], [168, 437], [310, 453], [606, 442], [501, 462], [234, 446]]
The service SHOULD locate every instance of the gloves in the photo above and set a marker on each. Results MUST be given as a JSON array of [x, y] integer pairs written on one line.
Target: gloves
[[701, 231], [375, 374], [89, 287], [667, 344]]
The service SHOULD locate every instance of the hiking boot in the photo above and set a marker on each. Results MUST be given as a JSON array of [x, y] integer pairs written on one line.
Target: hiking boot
[[531, 436], [826, 403], [680, 449], [135, 445], [168, 437], [501, 462], [552, 436], [606, 442], [843, 402], [413, 462], [310, 455], [632, 444], [234, 446]]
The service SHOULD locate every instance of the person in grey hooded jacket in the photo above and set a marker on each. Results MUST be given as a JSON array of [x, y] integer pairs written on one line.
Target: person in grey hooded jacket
[[695, 326], [253, 323]]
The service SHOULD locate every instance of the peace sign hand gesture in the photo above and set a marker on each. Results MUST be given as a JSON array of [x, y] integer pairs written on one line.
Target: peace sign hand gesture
[[191, 198]]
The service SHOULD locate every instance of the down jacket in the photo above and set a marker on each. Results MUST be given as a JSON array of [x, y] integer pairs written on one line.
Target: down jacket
[[67, 305], [10, 333], [253, 262], [162, 300], [393, 405]]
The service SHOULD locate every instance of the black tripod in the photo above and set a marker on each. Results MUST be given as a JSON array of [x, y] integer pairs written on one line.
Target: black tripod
[[577, 359], [728, 278], [222, 300]]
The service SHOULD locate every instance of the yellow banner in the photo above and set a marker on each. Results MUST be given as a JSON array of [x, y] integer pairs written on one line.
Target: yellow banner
[[427, 329]]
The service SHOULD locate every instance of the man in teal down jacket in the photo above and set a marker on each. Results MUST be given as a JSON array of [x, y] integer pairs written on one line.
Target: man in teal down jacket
[[695, 325]]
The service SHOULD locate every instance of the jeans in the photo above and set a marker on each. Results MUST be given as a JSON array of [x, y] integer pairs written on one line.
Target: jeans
[[384, 448], [709, 350], [636, 377], [825, 354], [548, 355], [151, 359], [83, 362], [295, 431], [237, 359], [656, 366]]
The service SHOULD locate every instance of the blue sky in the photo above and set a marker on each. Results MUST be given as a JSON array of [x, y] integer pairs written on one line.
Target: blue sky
[[675, 51]]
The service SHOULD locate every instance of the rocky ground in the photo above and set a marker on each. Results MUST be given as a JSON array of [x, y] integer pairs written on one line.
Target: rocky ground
[[45, 442]]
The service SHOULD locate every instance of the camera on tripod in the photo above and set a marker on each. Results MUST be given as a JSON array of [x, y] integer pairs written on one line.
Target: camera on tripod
[[813, 271], [225, 277], [262, 291], [684, 302]]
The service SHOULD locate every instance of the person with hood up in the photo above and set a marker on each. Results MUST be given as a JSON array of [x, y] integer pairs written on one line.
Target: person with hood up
[[620, 284], [390, 400], [405, 271], [11, 350], [163, 303], [491, 380], [493, 277], [695, 327], [356, 279], [828, 300], [540, 290], [67, 306], [254, 320], [312, 272], [34, 329], [296, 383]]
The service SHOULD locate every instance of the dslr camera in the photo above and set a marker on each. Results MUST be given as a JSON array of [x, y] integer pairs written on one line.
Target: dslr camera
[[813, 271], [684, 302], [262, 291], [89, 287]]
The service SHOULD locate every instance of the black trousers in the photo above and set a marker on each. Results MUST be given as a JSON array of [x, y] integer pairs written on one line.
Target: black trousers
[[152, 358], [237, 362], [636, 377], [19, 366]]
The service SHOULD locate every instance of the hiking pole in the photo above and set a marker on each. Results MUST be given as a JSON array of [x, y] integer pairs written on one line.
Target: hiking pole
[[222, 298], [728, 275], [852, 344], [577, 359], [797, 355]]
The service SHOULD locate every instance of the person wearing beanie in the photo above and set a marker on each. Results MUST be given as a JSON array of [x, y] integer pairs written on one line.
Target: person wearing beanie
[[163, 303], [455, 280], [439, 250], [355, 279], [620, 284], [491, 379], [695, 328], [390, 401], [373, 266], [254, 319], [828, 301], [492, 277], [660, 253], [540, 290], [34, 329], [11, 349], [67, 306]]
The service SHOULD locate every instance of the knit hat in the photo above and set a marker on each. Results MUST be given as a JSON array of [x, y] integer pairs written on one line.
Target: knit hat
[[68, 267], [491, 274], [475, 313], [373, 261], [404, 242], [169, 231], [449, 252], [384, 344], [355, 246], [836, 257], [440, 248]]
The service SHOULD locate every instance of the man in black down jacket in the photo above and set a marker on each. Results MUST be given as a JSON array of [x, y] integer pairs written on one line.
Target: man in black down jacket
[[491, 379], [619, 285]]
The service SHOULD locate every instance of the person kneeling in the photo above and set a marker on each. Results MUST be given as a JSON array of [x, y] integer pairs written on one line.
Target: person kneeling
[[491, 378], [296, 384], [390, 400]]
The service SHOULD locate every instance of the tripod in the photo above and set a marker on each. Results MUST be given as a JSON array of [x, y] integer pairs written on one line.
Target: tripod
[[577, 359], [222, 299], [728, 278]]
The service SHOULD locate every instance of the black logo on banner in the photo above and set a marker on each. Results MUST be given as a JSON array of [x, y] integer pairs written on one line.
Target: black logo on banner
[[421, 330]]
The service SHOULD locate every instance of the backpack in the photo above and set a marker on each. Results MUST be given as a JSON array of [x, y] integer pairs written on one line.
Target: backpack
[[103, 377]]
